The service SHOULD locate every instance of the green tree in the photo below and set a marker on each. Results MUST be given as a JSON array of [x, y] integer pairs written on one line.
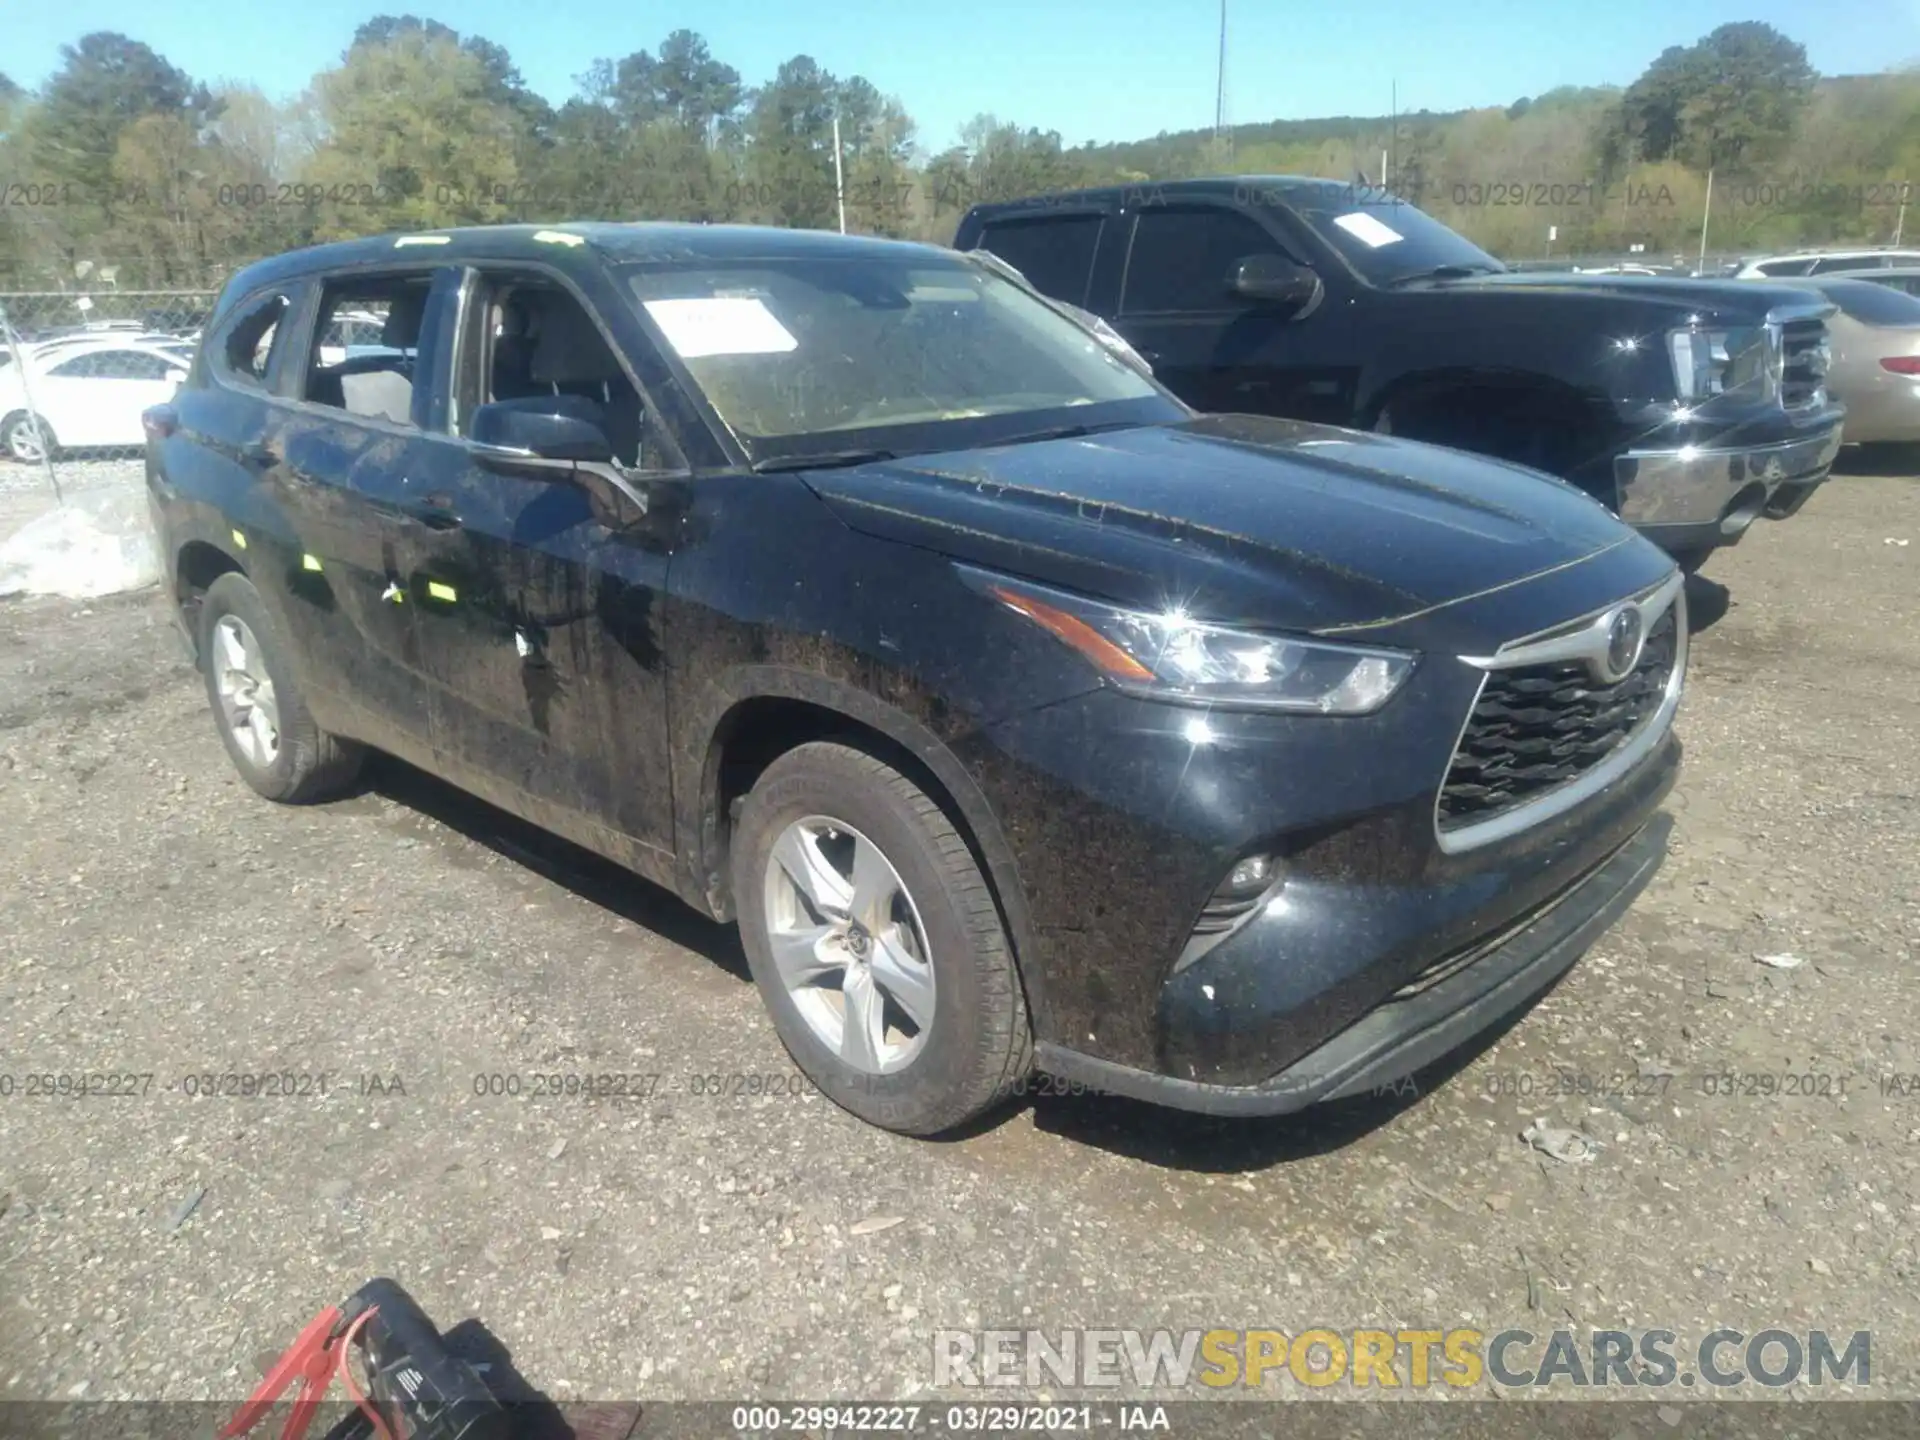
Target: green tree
[[683, 85], [106, 84], [789, 160], [416, 136], [1732, 98]]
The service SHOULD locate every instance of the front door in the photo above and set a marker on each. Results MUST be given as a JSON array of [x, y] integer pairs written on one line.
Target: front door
[[536, 607], [95, 398], [1216, 350]]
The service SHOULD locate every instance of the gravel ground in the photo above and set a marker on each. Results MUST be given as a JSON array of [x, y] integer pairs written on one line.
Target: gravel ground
[[164, 921]]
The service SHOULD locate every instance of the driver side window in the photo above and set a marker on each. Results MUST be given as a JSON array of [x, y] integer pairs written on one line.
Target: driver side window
[[1182, 259], [532, 344]]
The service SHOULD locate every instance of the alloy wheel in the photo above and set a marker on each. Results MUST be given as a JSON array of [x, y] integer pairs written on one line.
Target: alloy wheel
[[849, 945], [24, 442], [247, 704]]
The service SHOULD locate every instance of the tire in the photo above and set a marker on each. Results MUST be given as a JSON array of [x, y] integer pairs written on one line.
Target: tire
[[18, 443], [940, 929], [304, 763], [1501, 428]]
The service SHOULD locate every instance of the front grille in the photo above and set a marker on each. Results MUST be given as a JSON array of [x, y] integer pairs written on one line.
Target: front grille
[[1803, 365], [1538, 727]]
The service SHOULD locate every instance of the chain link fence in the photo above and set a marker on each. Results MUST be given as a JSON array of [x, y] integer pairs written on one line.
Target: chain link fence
[[77, 368]]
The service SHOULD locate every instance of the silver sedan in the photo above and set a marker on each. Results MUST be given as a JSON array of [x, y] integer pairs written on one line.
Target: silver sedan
[[1875, 370]]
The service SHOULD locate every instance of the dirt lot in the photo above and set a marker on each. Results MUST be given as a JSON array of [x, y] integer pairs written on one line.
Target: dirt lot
[[163, 921]]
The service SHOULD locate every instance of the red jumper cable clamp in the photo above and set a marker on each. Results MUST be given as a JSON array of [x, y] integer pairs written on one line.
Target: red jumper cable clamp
[[416, 1389]]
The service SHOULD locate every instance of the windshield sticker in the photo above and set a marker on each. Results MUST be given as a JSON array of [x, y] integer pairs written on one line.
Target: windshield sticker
[[720, 326], [1369, 231]]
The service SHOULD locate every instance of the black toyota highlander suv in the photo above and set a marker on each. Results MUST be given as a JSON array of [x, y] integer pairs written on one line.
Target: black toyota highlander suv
[[1691, 408], [1021, 717]]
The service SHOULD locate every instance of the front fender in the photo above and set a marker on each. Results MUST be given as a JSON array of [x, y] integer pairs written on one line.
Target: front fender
[[701, 738]]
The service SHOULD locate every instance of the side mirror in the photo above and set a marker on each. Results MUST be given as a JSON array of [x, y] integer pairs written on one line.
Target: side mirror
[[1274, 280], [550, 432]]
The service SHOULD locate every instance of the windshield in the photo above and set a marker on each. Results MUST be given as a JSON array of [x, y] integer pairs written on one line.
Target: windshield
[[1381, 236], [807, 355]]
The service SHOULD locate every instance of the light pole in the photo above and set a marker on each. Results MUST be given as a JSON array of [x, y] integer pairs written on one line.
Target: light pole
[[1220, 86], [839, 181]]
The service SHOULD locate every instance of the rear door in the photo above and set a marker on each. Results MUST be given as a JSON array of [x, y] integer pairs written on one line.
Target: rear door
[[1054, 250], [347, 458], [132, 380]]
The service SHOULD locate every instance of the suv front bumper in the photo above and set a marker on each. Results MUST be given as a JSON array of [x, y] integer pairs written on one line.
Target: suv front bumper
[[1698, 497], [1418, 1024]]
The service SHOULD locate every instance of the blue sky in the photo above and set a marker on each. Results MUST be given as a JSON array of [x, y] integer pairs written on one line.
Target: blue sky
[[1091, 69]]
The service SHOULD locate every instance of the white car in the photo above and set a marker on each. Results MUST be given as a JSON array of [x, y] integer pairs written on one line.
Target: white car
[[1822, 262], [86, 395], [353, 332]]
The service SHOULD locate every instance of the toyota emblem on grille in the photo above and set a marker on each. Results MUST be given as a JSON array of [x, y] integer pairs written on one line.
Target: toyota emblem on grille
[[1626, 634]]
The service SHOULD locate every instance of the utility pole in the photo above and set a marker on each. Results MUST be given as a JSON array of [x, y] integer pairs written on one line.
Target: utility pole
[[1393, 133], [1705, 216], [1900, 221], [839, 181], [1220, 132]]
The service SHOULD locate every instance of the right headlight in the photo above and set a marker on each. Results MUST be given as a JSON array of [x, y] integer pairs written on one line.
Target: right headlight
[[1720, 361], [1171, 656]]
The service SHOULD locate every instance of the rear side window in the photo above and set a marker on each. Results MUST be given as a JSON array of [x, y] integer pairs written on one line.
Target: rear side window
[[1850, 262], [79, 367], [1054, 252], [1786, 267], [250, 341], [1183, 259], [1873, 304]]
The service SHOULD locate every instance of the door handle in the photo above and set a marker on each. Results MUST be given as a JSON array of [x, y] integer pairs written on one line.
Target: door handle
[[258, 454], [436, 512]]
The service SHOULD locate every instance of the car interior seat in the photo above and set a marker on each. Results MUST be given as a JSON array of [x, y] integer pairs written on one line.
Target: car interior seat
[[381, 386], [571, 357], [515, 332]]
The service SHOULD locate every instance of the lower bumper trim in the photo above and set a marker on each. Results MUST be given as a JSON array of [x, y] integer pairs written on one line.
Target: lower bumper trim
[[1717, 491], [1401, 1036]]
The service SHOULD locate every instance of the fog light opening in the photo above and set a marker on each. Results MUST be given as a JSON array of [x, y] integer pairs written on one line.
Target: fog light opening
[[1248, 877]]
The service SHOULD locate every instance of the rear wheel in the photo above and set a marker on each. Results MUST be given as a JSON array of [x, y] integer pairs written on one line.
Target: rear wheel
[[263, 720], [876, 943]]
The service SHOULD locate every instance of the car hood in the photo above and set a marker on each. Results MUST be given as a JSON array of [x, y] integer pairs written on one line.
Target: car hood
[[1246, 520], [1744, 299]]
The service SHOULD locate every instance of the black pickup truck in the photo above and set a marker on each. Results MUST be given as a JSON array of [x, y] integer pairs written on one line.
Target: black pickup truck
[[1692, 408]]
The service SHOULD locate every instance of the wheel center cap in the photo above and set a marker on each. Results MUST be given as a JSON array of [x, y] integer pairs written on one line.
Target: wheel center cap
[[859, 942]]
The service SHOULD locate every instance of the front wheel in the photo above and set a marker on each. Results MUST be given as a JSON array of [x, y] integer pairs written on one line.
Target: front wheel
[[876, 942]]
